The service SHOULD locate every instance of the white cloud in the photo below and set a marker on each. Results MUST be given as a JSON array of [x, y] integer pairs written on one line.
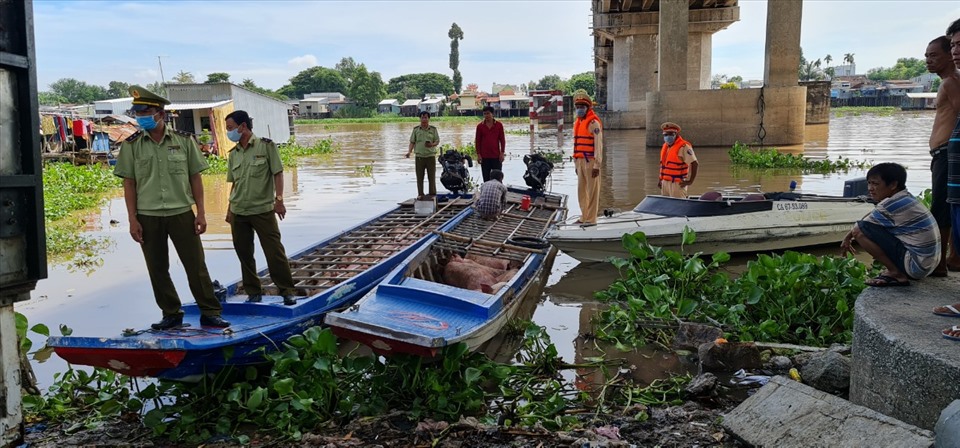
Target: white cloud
[[301, 62]]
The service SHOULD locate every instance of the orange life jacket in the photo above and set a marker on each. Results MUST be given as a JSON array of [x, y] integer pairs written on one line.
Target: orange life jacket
[[672, 167], [583, 139]]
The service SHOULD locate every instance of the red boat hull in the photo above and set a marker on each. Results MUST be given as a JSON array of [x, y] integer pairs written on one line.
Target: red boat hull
[[133, 362]]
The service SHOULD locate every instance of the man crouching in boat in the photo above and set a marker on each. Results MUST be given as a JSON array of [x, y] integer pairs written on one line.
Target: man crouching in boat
[[493, 196], [900, 233]]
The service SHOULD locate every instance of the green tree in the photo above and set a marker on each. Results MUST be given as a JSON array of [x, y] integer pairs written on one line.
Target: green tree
[[586, 81], [736, 79], [250, 85], [935, 85], [217, 77], [118, 89], [905, 68], [550, 82], [348, 69], [456, 35], [50, 99], [367, 88], [848, 58], [157, 88], [416, 85], [828, 59], [314, 79], [183, 78], [729, 85], [77, 92]]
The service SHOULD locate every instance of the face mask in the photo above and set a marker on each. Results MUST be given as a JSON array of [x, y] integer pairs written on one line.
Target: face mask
[[581, 112], [669, 139], [147, 123], [234, 135]]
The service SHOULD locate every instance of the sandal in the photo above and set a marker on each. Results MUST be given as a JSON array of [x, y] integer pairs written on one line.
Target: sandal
[[952, 333], [947, 310], [883, 281]]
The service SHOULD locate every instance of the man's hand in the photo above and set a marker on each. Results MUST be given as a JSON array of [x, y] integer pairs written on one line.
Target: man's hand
[[136, 230], [685, 183], [846, 245], [660, 183], [595, 172], [502, 155], [408, 154], [229, 217], [280, 209], [200, 224]]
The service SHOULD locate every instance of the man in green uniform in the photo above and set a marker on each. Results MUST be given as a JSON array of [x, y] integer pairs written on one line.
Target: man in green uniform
[[161, 169], [256, 199], [423, 143]]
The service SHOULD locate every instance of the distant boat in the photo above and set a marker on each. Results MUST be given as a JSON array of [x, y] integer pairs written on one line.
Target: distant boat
[[749, 223], [330, 275], [438, 296]]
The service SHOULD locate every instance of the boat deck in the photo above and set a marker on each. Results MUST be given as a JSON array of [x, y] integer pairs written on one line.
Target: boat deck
[[319, 268]]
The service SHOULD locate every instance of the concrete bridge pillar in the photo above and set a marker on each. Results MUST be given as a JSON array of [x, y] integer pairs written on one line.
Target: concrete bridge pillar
[[673, 45], [699, 60], [633, 75], [782, 52]]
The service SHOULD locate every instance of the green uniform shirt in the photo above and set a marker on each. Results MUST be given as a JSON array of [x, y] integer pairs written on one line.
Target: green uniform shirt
[[162, 171], [420, 136], [251, 170]]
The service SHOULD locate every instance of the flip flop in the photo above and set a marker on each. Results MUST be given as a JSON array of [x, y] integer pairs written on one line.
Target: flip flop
[[952, 333], [883, 281], [951, 311]]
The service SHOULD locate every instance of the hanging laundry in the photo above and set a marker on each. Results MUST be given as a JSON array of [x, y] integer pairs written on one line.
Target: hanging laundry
[[47, 126], [79, 130]]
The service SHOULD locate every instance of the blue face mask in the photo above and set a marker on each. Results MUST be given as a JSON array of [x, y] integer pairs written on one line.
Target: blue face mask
[[669, 139], [147, 123], [581, 112], [234, 135]]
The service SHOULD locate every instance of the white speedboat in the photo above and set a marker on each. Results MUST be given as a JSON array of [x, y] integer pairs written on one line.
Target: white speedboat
[[748, 223]]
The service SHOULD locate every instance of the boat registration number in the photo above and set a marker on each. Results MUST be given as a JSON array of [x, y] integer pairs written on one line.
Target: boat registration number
[[785, 206]]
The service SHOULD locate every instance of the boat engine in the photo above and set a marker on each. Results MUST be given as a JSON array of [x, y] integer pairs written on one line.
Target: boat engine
[[454, 175], [538, 169]]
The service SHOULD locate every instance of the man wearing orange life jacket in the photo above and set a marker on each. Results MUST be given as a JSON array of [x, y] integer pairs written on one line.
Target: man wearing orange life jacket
[[587, 157], [678, 163]]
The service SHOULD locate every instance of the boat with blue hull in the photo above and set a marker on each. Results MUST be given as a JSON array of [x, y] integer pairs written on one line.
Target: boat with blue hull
[[462, 285], [329, 275]]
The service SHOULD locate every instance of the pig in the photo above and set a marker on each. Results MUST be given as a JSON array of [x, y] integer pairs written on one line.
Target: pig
[[489, 261]]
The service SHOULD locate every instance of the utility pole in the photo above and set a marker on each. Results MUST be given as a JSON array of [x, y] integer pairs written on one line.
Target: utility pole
[[160, 63]]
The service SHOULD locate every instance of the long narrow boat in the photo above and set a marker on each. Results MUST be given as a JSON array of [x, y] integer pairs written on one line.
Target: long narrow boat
[[746, 223], [439, 296], [329, 275]]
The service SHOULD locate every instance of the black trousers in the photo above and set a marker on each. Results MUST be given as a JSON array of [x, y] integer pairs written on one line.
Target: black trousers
[[180, 230], [489, 164], [266, 228]]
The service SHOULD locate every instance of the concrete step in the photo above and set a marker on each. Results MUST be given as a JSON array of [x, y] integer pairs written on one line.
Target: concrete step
[[788, 414]]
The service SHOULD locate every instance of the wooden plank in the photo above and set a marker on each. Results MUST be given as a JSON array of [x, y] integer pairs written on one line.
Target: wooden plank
[[625, 5], [647, 4], [307, 270], [488, 243]]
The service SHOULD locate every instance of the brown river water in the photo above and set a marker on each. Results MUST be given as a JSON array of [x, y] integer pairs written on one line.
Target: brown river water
[[328, 194]]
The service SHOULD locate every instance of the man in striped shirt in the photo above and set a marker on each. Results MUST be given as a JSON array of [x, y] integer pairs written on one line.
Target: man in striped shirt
[[900, 232]]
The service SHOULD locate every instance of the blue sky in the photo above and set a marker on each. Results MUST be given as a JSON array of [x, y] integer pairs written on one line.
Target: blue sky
[[504, 41]]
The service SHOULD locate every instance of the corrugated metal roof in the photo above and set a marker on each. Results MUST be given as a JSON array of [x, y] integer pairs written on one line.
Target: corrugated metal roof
[[196, 105], [411, 103], [389, 101], [922, 95], [432, 101]]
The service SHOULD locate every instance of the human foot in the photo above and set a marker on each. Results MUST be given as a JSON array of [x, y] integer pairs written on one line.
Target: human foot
[[882, 281], [948, 310], [952, 333]]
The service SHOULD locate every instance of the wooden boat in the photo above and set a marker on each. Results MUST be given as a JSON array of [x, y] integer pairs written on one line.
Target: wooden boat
[[747, 223], [415, 309], [329, 275]]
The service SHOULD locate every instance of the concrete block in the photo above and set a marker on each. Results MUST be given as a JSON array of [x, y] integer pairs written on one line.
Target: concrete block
[[948, 427], [901, 365], [788, 414]]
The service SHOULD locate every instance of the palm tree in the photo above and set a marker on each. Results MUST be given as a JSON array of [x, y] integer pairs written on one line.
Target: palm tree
[[848, 58], [816, 63], [828, 59]]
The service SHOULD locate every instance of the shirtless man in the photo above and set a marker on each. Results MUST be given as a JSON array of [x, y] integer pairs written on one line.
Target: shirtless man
[[939, 61]]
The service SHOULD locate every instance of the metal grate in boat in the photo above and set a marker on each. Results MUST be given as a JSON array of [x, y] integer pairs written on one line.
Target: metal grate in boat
[[356, 251]]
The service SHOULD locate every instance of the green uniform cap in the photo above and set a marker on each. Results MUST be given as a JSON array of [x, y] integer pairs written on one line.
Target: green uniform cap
[[143, 99]]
